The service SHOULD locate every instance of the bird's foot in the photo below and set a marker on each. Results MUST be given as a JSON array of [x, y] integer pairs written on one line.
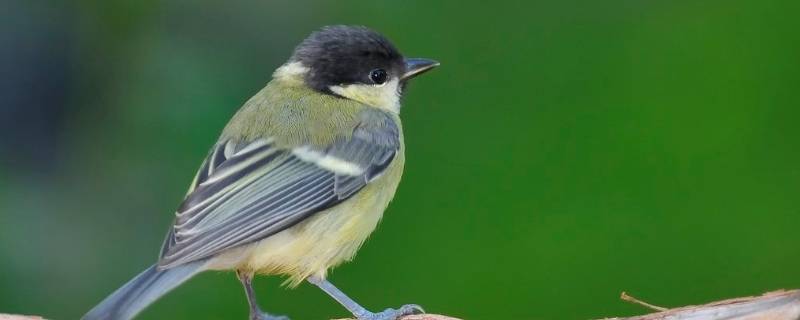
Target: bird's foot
[[392, 314], [266, 316]]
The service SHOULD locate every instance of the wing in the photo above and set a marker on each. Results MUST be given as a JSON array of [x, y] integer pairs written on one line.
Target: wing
[[245, 192]]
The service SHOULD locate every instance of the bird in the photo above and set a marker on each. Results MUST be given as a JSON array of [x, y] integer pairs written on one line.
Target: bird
[[298, 179]]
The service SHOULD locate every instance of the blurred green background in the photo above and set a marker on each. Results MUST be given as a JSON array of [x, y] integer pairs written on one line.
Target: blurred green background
[[564, 152]]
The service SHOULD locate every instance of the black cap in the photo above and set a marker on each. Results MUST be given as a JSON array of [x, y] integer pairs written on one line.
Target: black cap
[[339, 55]]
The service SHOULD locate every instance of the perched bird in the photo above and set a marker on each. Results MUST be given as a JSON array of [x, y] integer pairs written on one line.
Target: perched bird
[[298, 179]]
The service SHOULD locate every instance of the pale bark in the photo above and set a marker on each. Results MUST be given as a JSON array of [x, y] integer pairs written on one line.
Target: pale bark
[[18, 317], [776, 305]]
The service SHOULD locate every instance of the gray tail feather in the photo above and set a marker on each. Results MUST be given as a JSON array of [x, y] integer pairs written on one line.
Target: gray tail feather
[[141, 291]]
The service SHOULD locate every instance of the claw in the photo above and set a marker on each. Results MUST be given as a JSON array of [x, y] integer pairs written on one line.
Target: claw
[[267, 316], [394, 314], [357, 310], [411, 309]]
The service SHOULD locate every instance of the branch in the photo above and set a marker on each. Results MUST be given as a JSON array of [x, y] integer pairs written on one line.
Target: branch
[[776, 305], [18, 317], [625, 296], [427, 316], [411, 317]]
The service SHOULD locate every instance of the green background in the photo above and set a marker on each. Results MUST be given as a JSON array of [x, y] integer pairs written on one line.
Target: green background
[[565, 151]]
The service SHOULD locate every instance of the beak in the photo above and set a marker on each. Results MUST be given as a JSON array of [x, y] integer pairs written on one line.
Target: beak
[[417, 66]]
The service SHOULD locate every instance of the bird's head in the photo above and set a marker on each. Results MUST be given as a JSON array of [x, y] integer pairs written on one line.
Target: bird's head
[[356, 63]]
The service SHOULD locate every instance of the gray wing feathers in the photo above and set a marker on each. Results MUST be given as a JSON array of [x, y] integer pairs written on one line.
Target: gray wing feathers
[[263, 196], [246, 192], [372, 147]]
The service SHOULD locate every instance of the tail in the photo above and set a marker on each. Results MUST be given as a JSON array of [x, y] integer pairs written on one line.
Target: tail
[[140, 292]]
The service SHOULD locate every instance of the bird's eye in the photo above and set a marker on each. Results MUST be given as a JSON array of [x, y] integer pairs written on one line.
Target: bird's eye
[[378, 76]]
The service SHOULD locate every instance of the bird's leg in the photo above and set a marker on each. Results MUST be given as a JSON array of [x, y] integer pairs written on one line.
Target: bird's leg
[[357, 310], [255, 312]]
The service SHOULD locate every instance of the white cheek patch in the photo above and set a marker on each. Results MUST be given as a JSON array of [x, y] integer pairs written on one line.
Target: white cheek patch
[[384, 96], [337, 165]]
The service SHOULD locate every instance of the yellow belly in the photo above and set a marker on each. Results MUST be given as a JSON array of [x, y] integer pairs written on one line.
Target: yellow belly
[[323, 240]]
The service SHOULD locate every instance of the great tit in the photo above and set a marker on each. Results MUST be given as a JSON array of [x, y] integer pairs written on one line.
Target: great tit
[[298, 179]]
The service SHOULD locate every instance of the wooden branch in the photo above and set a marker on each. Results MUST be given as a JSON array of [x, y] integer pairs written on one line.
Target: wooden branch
[[629, 298], [427, 316], [18, 317], [776, 305], [411, 317]]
